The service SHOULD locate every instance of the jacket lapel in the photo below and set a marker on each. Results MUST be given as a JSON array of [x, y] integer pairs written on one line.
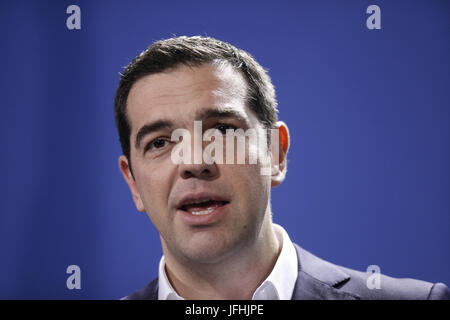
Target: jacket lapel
[[318, 279], [149, 292], [152, 290]]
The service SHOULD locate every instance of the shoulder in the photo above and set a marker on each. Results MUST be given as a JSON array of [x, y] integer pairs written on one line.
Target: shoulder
[[339, 282], [149, 292], [389, 288]]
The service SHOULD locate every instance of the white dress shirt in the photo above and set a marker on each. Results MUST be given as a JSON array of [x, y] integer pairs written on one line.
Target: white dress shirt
[[279, 285]]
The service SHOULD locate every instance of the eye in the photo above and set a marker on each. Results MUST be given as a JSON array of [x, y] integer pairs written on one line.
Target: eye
[[223, 127], [158, 143]]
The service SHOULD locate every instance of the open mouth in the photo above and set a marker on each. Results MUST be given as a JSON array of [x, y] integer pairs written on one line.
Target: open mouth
[[202, 208]]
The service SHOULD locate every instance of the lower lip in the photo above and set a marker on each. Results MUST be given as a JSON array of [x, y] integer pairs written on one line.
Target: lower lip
[[206, 219]]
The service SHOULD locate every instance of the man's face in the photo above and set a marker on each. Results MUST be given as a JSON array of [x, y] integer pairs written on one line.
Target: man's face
[[239, 193]]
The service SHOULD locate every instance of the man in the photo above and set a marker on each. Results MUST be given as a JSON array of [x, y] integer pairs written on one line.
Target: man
[[214, 218]]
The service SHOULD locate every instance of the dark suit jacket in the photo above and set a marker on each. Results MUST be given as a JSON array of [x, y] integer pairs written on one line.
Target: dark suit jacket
[[319, 279]]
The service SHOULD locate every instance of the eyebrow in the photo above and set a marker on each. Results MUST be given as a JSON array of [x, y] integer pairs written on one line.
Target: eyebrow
[[221, 113], [152, 127], [202, 115]]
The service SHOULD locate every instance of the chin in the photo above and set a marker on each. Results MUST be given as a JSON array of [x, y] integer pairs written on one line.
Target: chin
[[207, 249]]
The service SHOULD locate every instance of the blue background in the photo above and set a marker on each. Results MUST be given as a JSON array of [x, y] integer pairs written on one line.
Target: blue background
[[368, 176]]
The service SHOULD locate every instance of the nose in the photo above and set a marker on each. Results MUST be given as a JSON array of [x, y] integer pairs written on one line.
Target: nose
[[196, 167], [202, 171]]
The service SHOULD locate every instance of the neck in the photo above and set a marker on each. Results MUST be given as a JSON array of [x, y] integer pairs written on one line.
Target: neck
[[226, 280]]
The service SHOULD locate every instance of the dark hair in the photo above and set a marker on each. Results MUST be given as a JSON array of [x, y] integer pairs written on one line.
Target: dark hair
[[168, 54]]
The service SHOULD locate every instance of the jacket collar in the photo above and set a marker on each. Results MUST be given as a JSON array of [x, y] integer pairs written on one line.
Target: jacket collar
[[319, 279]]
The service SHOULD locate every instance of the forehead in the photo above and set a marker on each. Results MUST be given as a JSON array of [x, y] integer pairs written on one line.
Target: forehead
[[180, 92]]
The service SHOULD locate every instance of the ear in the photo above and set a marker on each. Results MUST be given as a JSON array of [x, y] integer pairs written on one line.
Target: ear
[[125, 168], [279, 161]]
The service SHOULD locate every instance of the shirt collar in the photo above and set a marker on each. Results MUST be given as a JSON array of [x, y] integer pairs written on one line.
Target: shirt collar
[[279, 285], [165, 289]]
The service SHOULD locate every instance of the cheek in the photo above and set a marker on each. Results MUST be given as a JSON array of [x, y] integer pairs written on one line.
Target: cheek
[[153, 185], [250, 187], [154, 190]]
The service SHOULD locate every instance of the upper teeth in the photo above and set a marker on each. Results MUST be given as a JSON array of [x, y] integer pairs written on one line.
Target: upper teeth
[[199, 213]]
